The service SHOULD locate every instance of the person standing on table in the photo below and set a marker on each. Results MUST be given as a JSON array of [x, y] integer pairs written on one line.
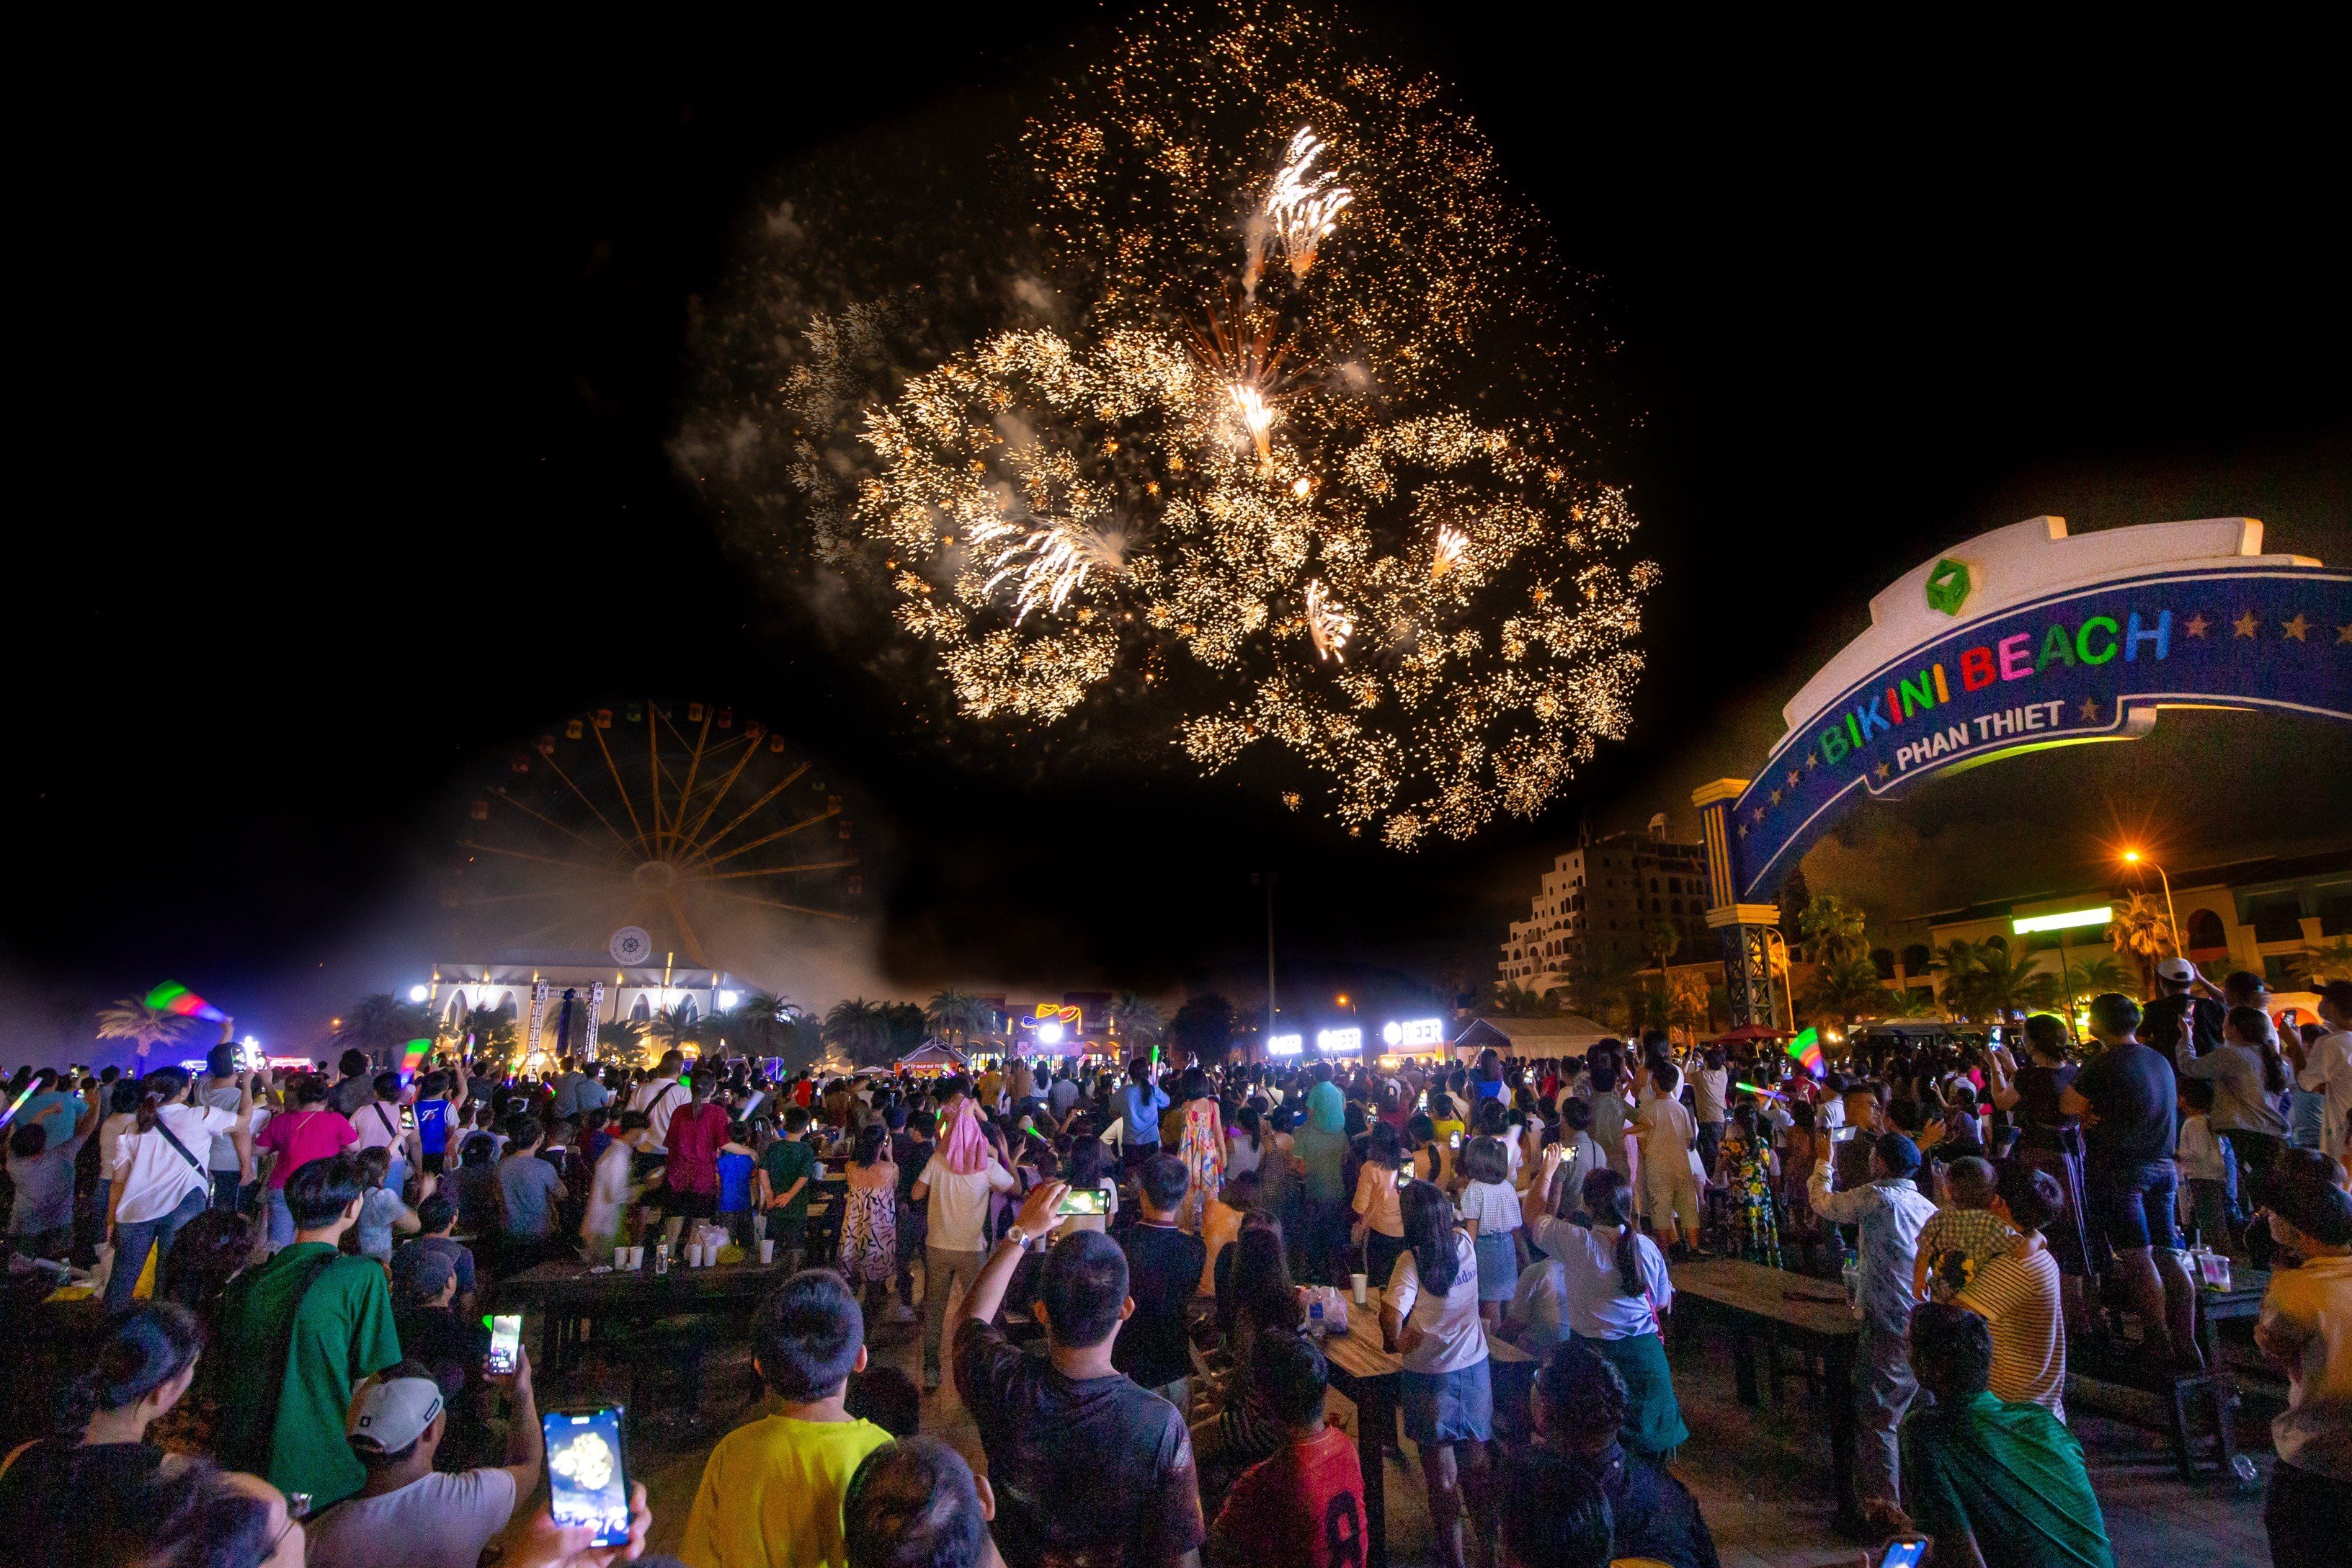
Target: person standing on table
[[785, 1183], [1890, 1211], [955, 1184], [697, 1131], [660, 1097], [1668, 1133], [1140, 1105], [2129, 1098], [2306, 1331], [2325, 1070], [1616, 1295], [1088, 1467], [1429, 1320]]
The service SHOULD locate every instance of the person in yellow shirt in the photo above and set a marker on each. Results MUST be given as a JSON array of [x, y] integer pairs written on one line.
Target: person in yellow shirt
[[770, 1493]]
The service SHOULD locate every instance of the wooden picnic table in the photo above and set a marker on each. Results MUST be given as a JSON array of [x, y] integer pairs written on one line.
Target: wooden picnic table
[[1771, 1304], [570, 1294], [1368, 1375]]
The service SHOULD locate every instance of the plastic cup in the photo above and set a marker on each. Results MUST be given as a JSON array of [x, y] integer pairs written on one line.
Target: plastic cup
[[1357, 1284], [620, 1257], [767, 1250], [637, 1258]]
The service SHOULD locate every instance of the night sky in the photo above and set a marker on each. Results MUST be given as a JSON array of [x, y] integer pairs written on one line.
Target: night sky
[[362, 376]]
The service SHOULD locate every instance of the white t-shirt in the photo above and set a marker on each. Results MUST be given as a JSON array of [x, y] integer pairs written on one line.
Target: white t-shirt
[[959, 1202], [1668, 1131], [2327, 1070], [1453, 1337], [110, 1132], [159, 1178], [1707, 1087], [659, 1099], [435, 1521], [378, 1126], [1598, 1307], [1493, 1205], [225, 1098]]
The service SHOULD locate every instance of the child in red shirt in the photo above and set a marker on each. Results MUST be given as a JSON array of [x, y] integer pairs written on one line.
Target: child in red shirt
[[1304, 1507]]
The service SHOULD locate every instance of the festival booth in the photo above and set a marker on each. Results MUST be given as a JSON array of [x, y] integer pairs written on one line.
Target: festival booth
[[1565, 1035], [931, 1059]]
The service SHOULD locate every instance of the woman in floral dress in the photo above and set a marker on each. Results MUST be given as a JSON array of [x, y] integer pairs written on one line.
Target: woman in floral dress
[[869, 1225], [1203, 1151], [1743, 1168]]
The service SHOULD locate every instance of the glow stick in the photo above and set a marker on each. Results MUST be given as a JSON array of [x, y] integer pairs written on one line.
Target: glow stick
[[1806, 1051], [30, 1090], [175, 998], [1767, 1093]]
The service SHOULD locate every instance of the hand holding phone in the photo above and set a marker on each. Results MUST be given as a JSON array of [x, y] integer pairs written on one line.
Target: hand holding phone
[[587, 1471], [1906, 1552], [506, 1341], [1084, 1201]]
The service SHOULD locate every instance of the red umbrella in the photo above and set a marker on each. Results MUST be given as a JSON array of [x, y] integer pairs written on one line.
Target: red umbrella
[[1751, 1032]]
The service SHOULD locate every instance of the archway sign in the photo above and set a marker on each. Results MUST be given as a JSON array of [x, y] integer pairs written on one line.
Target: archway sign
[[2019, 640]]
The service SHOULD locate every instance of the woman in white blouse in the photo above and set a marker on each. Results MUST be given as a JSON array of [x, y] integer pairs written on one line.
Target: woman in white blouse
[[1429, 1316]]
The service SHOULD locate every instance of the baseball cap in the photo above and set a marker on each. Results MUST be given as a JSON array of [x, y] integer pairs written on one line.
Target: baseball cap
[[1896, 1153], [392, 1414], [2178, 969]]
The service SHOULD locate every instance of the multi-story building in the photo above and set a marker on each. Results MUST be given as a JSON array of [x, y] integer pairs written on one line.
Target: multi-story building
[[1599, 898], [2272, 916]]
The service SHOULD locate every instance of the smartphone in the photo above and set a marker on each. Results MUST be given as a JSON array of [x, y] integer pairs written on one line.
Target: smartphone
[[1993, 1034], [1454, 1139], [408, 1118], [506, 1339], [1084, 1200], [1906, 1553], [1403, 1177], [587, 1471]]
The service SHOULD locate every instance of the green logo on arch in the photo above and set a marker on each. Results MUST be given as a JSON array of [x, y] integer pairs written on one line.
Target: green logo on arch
[[1948, 586]]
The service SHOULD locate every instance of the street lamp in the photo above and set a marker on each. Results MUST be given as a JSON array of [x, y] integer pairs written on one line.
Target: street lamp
[[418, 993], [2134, 857]]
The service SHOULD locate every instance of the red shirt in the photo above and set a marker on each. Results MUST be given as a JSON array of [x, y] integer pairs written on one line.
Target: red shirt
[[302, 1136], [1310, 1496], [696, 1131]]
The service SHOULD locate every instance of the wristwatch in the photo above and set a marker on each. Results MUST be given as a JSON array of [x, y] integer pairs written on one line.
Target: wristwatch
[[1018, 1236]]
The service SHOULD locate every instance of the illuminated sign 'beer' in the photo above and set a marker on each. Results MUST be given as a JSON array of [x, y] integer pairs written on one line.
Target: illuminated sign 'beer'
[[1283, 1045], [1337, 1042], [1414, 1032]]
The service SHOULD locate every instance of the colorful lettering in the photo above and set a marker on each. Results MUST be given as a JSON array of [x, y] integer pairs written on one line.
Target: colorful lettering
[[2057, 645], [1853, 732], [1872, 719], [1893, 706], [1834, 744], [2083, 639], [1923, 695], [1943, 692], [2161, 636], [1977, 671], [2014, 665]]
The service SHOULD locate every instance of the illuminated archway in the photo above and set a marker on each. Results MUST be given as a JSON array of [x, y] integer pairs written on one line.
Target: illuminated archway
[[2019, 640]]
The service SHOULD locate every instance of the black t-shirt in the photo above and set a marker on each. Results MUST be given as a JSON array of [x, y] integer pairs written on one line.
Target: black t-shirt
[[2171, 1020], [1656, 1516], [1093, 1473], [2133, 1090], [61, 1496], [1163, 1270]]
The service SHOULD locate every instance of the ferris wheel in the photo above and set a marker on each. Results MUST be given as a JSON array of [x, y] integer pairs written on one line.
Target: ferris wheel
[[672, 816]]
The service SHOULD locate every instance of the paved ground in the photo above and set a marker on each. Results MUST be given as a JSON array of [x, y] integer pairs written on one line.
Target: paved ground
[[1761, 1477]]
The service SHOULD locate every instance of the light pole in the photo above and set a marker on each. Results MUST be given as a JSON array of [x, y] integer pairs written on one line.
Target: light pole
[[2134, 857], [1266, 878]]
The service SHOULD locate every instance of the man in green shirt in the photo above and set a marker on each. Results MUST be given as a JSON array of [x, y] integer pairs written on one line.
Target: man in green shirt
[[295, 1335], [1989, 1481], [790, 1166]]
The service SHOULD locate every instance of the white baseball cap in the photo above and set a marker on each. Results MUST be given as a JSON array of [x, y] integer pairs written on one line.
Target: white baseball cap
[[2179, 970], [392, 1414]]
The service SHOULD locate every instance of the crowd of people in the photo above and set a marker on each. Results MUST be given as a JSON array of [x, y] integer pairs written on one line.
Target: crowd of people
[[1123, 1271]]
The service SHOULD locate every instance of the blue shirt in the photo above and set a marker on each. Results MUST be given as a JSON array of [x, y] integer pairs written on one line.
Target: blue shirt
[[735, 1184], [52, 1103], [432, 1125], [1139, 1106], [1891, 1213]]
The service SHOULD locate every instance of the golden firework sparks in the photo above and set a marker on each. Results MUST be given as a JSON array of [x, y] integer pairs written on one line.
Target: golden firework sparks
[[1305, 208]]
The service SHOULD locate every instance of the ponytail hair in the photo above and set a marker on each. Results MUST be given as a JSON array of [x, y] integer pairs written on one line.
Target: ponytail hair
[[2253, 1025], [162, 1085], [142, 1350], [1429, 1233], [1608, 1199]]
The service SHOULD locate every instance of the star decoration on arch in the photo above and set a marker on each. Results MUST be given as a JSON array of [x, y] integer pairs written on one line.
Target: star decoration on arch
[[2089, 714], [1882, 771], [1775, 797], [2246, 624], [2197, 625], [1814, 759], [1792, 778], [2296, 630], [2344, 634]]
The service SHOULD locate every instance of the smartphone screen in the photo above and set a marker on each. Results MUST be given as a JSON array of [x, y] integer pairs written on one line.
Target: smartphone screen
[[408, 1118], [506, 1339], [586, 1472], [1454, 1139], [1084, 1200], [1904, 1554]]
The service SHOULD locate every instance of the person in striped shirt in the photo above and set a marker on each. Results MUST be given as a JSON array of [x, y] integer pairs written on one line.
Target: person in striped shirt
[[2017, 1294]]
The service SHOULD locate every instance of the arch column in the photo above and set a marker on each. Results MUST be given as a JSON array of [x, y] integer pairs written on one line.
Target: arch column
[[1743, 928]]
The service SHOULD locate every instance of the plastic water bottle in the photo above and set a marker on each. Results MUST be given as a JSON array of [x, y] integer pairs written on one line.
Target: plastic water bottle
[[1851, 1273], [1315, 1328], [2242, 1466]]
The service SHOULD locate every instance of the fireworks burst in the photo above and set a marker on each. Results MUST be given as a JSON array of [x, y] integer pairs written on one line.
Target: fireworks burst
[[1139, 489]]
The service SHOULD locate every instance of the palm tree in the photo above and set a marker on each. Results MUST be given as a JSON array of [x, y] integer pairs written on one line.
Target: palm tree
[[761, 1024], [859, 1030], [2005, 982], [1832, 930], [956, 1016], [2140, 928], [492, 1029], [1843, 990], [671, 1030], [2332, 961], [1514, 1001], [381, 1025], [1136, 1018], [1660, 938], [147, 1026], [1604, 983], [2092, 976], [622, 1038]]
